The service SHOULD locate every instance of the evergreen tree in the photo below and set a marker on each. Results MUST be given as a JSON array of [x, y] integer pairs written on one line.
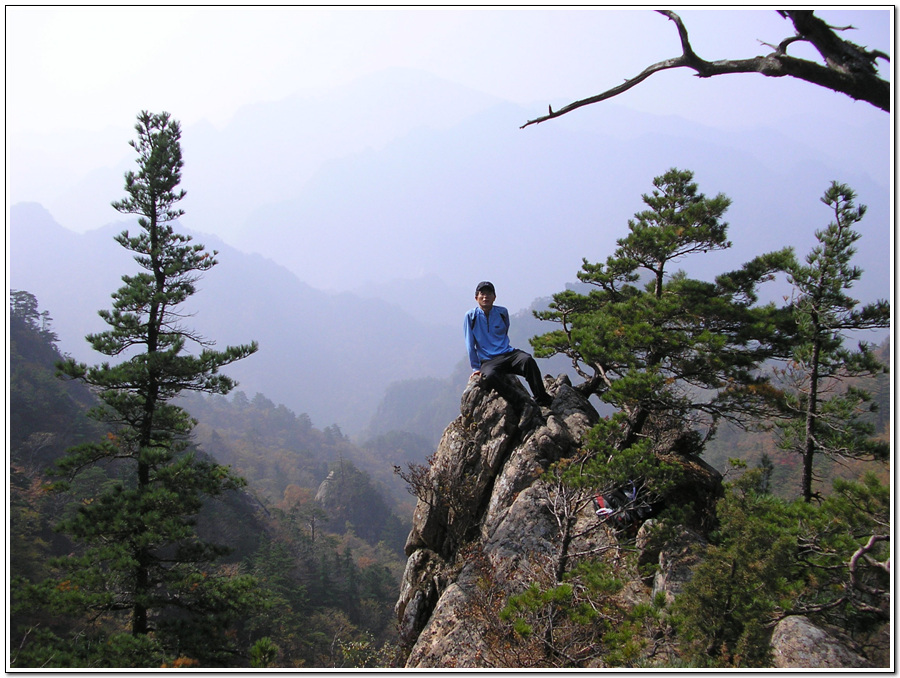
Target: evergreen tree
[[747, 576], [675, 353], [141, 552], [825, 418], [24, 305], [773, 558]]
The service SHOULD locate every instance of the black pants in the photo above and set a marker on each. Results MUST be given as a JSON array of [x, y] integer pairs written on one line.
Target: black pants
[[515, 362]]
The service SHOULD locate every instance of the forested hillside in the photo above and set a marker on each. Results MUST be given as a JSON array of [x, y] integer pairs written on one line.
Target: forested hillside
[[275, 543], [285, 459], [330, 569], [757, 447], [326, 573]]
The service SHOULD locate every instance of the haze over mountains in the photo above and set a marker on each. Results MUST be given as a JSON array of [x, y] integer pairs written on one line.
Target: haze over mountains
[[325, 354], [352, 226]]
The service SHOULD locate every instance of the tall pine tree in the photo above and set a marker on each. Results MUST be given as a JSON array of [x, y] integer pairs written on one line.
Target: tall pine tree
[[826, 409], [141, 551], [673, 354]]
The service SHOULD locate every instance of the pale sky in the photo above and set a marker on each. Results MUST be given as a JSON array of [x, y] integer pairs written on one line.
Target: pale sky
[[76, 77], [93, 67]]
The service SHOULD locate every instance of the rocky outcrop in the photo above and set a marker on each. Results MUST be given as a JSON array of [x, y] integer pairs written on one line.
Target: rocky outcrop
[[488, 508], [325, 488]]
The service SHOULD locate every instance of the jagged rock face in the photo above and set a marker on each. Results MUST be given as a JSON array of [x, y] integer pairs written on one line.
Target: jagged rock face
[[475, 473], [491, 457], [489, 515], [490, 505]]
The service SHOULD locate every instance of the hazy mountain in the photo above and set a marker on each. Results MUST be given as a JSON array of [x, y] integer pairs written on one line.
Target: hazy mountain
[[330, 356], [264, 154], [484, 199], [398, 193], [269, 150], [402, 175]]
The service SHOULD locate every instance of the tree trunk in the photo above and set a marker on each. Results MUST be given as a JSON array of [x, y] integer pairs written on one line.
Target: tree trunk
[[811, 411]]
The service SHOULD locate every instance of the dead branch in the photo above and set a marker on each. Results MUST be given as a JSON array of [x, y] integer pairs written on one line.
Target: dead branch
[[848, 69]]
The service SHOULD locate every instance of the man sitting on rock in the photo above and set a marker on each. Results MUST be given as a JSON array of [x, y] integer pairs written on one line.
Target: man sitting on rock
[[490, 352]]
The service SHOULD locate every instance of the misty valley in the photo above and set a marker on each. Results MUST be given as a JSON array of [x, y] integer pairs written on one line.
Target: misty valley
[[277, 455], [321, 524]]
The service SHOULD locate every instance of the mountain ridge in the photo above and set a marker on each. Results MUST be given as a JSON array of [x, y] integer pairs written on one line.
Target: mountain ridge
[[321, 369], [405, 219], [483, 199]]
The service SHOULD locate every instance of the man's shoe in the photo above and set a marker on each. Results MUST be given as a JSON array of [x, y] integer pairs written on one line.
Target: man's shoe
[[544, 400]]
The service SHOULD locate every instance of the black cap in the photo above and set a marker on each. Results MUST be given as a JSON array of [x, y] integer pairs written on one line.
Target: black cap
[[484, 285]]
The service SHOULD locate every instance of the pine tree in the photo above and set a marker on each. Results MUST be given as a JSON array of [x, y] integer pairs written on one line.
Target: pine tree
[[772, 558], [24, 305], [826, 411], [667, 350], [725, 612], [141, 552]]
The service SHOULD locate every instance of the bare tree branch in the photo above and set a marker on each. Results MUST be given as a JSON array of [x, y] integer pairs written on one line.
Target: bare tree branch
[[848, 69]]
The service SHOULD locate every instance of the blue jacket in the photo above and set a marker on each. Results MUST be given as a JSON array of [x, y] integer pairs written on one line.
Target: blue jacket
[[486, 338]]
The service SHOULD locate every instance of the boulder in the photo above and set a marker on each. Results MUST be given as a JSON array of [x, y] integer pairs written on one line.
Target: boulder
[[797, 643]]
